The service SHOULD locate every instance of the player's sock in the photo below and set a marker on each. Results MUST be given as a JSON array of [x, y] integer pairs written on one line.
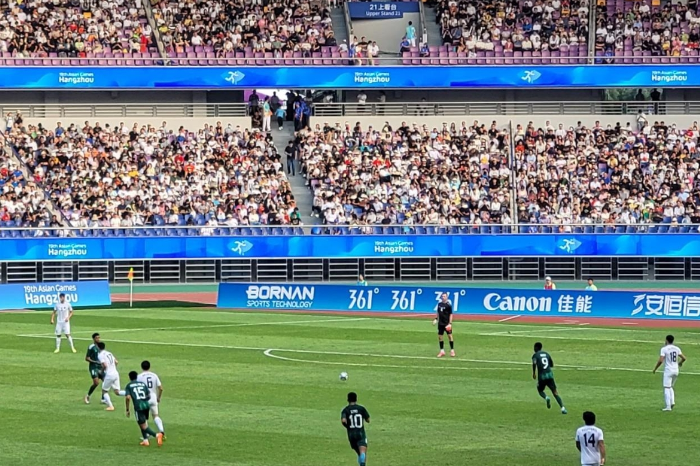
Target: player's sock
[[58, 342], [108, 400], [452, 344], [92, 389], [543, 395], [361, 459], [673, 397], [442, 345], [122, 392], [70, 341], [558, 398], [150, 432], [667, 397], [144, 434], [159, 423]]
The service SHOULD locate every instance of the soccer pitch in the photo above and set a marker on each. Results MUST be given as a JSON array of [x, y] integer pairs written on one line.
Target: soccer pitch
[[262, 389]]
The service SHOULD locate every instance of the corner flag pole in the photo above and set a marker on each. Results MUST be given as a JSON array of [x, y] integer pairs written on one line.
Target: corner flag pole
[[130, 276]]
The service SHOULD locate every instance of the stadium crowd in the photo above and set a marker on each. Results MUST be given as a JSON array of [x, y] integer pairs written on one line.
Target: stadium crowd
[[411, 174], [479, 28], [74, 29], [243, 29], [614, 175], [124, 176]]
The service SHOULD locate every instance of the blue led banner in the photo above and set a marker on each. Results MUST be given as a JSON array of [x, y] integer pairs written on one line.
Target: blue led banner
[[348, 77], [468, 301], [287, 296], [45, 295], [349, 246], [381, 10]]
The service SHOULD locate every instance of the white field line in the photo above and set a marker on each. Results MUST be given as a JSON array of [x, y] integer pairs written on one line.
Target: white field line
[[534, 330], [360, 355], [536, 334], [509, 318], [194, 327], [269, 353]]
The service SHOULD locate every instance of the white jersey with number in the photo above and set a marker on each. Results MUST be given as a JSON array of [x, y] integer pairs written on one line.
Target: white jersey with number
[[110, 363], [152, 382], [671, 355], [589, 437], [62, 310]]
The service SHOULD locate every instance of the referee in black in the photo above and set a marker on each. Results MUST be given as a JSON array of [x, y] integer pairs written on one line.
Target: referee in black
[[444, 323]]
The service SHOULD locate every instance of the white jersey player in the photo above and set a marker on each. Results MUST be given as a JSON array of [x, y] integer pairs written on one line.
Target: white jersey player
[[672, 358], [590, 442], [61, 316], [111, 380], [154, 385]]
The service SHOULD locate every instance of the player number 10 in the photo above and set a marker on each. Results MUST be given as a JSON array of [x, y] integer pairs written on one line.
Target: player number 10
[[361, 299], [403, 300]]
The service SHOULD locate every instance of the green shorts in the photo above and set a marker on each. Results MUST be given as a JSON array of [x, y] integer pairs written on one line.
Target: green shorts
[[357, 442], [544, 383], [141, 416], [96, 374]]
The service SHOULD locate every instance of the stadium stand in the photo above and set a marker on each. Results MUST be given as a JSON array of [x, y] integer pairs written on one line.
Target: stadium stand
[[408, 175], [503, 33], [41, 32], [115, 177], [279, 34], [636, 30], [474, 177]]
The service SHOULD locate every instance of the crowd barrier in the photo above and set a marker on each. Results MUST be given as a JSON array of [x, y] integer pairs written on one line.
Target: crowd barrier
[[46, 295], [349, 246], [348, 77], [468, 301]]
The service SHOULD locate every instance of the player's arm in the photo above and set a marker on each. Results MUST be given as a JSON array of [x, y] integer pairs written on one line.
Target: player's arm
[[450, 314], [70, 313], [127, 401], [53, 315], [578, 445], [658, 364], [160, 392], [683, 359], [601, 447], [534, 369]]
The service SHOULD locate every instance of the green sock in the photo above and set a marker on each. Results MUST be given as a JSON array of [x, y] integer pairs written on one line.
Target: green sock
[[543, 395], [558, 398], [150, 432], [144, 435]]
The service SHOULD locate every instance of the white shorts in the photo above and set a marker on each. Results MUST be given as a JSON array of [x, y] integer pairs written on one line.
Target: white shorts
[[670, 379], [153, 406], [63, 328], [111, 382]]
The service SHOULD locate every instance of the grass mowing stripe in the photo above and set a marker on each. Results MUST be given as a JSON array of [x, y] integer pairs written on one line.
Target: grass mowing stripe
[[536, 334]]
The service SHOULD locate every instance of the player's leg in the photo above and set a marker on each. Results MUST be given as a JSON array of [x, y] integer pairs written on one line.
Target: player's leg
[[452, 343], [540, 391], [362, 456], [95, 383], [156, 417], [553, 388], [668, 391], [110, 383], [674, 377], [59, 331], [441, 333], [70, 341]]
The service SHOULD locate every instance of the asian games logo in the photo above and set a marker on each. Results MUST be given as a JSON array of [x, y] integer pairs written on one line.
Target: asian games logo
[[234, 77], [241, 247], [531, 76]]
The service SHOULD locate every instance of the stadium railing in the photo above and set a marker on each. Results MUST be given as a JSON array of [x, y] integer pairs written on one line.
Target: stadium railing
[[317, 59], [10, 232], [238, 110]]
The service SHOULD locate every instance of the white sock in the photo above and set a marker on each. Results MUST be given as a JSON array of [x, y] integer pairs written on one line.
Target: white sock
[[108, 400], [70, 340], [159, 423], [122, 392], [673, 397], [58, 342], [667, 397]]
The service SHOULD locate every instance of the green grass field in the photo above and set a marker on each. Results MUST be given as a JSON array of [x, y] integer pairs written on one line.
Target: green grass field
[[263, 390]]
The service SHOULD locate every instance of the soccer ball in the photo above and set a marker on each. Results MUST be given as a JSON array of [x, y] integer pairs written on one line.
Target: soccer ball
[[343, 376]]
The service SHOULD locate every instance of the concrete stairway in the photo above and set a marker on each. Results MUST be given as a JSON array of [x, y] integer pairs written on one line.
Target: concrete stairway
[[434, 33], [301, 192]]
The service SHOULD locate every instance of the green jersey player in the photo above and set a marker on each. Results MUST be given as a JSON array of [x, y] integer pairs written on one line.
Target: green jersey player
[[138, 393], [94, 365], [542, 365], [354, 417]]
